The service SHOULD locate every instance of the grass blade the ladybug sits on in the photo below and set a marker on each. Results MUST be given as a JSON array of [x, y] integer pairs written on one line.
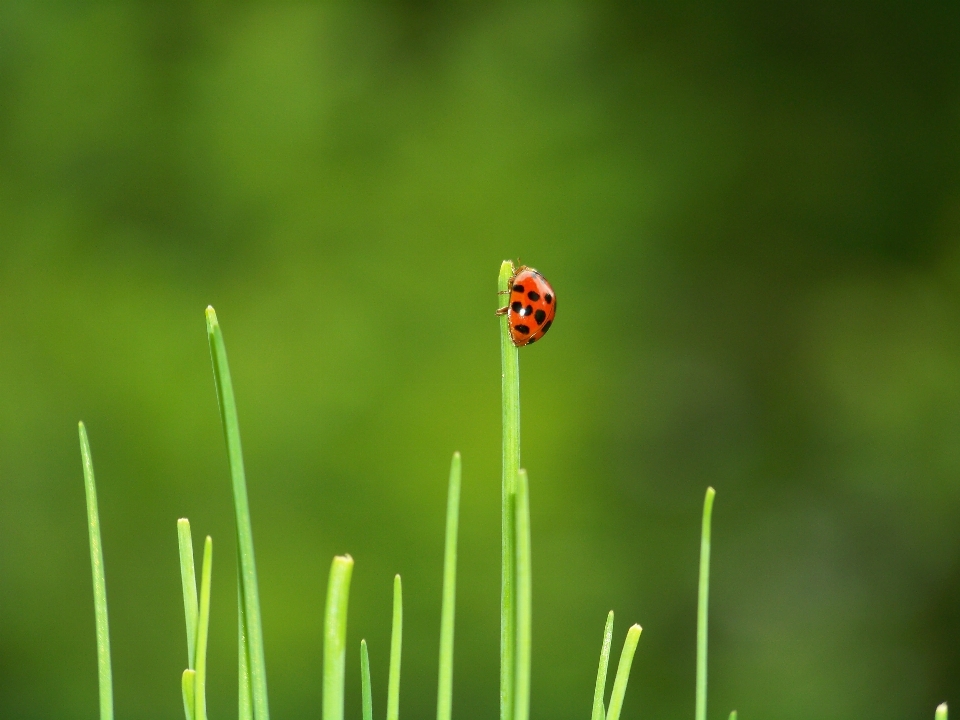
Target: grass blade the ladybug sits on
[[524, 590], [510, 387], [104, 668]]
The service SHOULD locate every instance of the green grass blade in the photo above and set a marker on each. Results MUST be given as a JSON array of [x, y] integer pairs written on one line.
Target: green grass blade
[[623, 672], [524, 599], [104, 669], [245, 709], [188, 578], [188, 684], [598, 709], [365, 692], [203, 631], [510, 388], [335, 636], [702, 601], [941, 713], [396, 646], [448, 608], [733, 715], [248, 569]]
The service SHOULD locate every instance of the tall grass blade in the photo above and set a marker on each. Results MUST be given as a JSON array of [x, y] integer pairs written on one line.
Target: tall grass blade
[[702, 600], [203, 631], [396, 646], [623, 672], [510, 387], [448, 608], [188, 578], [733, 715], [524, 599], [249, 592], [941, 713], [335, 636], [598, 709], [366, 694], [104, 669]]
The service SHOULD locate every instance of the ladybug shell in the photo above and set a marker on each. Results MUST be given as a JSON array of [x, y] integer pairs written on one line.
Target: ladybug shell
[[531, 308]]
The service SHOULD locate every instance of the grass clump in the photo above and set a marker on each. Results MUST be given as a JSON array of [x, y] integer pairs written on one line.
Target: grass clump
[[516, 602]]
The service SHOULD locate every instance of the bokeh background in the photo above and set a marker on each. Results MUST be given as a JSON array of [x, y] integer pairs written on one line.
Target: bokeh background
[[750, 212]]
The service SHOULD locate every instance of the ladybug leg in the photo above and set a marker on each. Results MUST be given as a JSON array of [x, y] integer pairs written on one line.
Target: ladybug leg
[[503, 292], [502, 311]]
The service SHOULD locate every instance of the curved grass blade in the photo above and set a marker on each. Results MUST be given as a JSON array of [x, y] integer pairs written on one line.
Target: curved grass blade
[[447, 611], [335, 636], [510, 388], [245, 708], [702, 599], [104, 668], [524, 600], [598, 709], [396, 646], [623, 672], [203, 631], [249, 593], [188, 579], [365, 692]]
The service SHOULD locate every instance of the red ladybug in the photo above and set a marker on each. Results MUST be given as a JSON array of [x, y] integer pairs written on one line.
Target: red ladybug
[[532, 306]]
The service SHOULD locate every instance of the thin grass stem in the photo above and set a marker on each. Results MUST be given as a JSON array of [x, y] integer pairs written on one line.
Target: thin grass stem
[[510, 387], [448, 607], [702, 601], [365, 692], [598, 710], [733, 715], [623, 672], [396, 647], [249, 592], [104, 667], [941, 713], [524, 598], [188, 578], [335, 636], [203, 631]]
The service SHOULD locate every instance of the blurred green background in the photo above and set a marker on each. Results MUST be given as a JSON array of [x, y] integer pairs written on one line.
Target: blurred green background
[[750, 212]]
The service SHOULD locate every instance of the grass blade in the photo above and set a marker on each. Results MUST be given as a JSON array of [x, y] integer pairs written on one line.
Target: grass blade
[[245, 709], [524, 599], [104, 669], [510, 388], [188, 578], [188, 684], [598, 709], [203, 631], [941, 713], [623, 672], [733, 715], [249, 592], [702, 600], [365, 692], [396, 645], [447, 611], [335, 636]]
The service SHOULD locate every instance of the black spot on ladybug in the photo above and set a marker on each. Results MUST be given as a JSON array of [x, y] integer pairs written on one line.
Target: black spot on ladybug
[[521, 329], [533, 295], [517, 307], [549, 298], [518, 288], [528, 310], [547, 326], [540, 316], [531, 341]]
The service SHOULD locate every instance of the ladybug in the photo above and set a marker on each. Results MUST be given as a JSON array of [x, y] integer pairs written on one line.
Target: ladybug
[[532, 306]]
